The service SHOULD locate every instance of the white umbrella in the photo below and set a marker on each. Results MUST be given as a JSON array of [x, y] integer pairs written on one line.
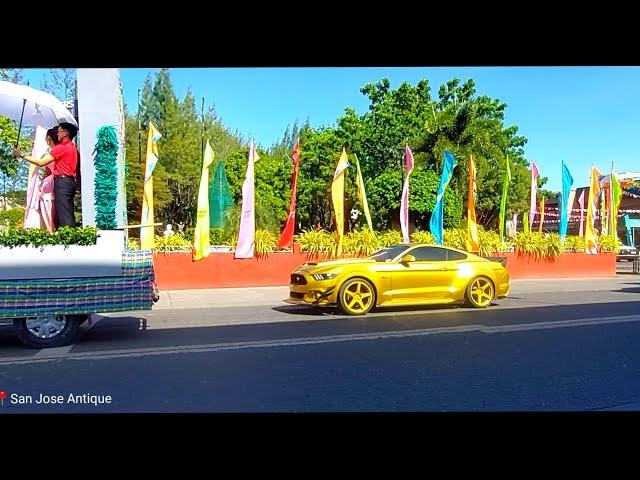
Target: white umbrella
[[28, 105]]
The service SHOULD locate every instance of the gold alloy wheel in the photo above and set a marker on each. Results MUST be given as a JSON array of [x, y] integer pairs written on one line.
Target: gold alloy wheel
[[480, 292], [356, 296]]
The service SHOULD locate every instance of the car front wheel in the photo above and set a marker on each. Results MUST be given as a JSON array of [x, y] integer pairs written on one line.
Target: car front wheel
[[45, 331], [356, 296]]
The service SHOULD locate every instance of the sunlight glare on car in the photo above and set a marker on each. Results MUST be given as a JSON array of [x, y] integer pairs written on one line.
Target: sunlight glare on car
[[465, 270]]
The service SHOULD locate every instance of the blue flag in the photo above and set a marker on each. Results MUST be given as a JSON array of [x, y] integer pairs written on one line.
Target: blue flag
[[567, 181], [435, 225]]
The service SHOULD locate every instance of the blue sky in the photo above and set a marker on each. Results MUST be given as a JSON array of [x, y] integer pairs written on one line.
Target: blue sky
[[581, 115]]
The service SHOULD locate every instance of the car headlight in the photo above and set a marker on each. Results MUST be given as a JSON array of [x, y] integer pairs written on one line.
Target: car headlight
[[324, 276]]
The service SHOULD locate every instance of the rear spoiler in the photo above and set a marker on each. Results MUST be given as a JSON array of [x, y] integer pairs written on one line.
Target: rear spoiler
[[501, 260]]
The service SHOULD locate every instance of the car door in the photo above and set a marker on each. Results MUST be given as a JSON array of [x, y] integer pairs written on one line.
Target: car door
[[426, 279]]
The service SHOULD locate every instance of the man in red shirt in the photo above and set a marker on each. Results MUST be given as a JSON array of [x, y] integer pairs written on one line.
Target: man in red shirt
[[64, 173]]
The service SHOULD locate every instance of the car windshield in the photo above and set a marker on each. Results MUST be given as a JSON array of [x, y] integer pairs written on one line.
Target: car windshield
[[388, 253]]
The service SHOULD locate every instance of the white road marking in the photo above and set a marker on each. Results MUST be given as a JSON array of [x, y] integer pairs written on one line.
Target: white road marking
[[58, 354]]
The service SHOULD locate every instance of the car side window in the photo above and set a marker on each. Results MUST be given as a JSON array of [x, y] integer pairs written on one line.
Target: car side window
[[453, 255], [429, 254]]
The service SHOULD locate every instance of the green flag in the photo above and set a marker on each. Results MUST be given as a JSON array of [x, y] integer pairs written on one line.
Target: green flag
[[525, 222], [503, 200], [616, 195], [219, 197]]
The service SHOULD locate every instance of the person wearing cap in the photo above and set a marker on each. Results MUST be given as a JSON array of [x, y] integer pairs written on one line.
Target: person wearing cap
[[65, 156]]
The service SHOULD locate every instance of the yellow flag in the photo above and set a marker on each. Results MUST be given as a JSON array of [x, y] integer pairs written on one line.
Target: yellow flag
[[541, 216], [147, 232], [362, 195], [472, 225], [337, 195], [590, 236], [201, 233]]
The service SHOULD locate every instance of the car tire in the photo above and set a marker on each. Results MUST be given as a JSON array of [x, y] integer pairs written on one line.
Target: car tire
[[480, 292], [356, 296], [47, 331]]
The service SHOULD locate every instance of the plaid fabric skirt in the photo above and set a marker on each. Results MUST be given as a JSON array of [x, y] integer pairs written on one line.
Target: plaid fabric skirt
[[133, 290]]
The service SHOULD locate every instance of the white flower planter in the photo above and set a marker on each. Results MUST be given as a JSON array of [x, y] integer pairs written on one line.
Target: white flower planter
[[104, 259]]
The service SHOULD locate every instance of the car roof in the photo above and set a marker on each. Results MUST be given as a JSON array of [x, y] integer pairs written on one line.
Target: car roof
[[411, 245]]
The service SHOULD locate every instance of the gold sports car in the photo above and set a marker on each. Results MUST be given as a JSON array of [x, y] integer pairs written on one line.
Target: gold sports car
[[400, 275]]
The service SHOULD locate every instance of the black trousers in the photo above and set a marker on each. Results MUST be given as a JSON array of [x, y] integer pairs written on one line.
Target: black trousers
[[64, 189]]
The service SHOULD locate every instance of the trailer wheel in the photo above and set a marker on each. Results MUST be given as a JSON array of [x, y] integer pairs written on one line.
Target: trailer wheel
[[45, 331]]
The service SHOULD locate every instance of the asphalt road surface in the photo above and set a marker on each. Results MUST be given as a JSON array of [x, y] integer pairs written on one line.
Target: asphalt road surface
[[551, 346]]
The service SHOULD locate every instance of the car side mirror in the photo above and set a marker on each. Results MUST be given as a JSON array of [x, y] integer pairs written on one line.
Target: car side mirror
[[407, 258]]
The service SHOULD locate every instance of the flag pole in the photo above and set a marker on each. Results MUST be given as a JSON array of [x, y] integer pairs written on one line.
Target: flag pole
[[611, 213], [139, 129], [202, 137]]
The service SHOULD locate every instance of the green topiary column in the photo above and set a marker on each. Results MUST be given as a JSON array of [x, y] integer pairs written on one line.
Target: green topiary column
[[106, 152]]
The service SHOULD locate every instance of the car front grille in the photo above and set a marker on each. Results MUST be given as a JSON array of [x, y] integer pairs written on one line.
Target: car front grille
[[297, 295], [297, 279]]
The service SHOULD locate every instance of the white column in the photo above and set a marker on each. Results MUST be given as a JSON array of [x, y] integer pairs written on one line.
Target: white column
[[99, 105]]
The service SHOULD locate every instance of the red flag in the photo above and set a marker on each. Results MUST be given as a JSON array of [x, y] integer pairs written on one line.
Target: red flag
[[286, 237]]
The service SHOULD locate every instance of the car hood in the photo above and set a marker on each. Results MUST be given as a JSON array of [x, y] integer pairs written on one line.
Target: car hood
[[309, 266]]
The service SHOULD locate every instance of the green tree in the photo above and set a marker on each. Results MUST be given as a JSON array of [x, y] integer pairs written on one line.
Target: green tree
[[61, 83], [11, 75], [176, 176], [457, 120]]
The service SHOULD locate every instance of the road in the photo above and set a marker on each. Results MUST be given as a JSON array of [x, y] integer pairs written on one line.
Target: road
[[551, 346]]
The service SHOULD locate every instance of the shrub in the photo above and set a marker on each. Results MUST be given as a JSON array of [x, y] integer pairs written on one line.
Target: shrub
[[488, 242], [551, 245], [389, 238], [12, 218], [171, 243], [361, 242], [530, 243], [316, 242], [574, 243], [422, 237], [608, 243], [540, 246], [38, 238], [455, 237], [265, 242]]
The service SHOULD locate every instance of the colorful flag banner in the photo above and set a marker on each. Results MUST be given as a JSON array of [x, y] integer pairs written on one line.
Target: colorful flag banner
[[220, 198], [247, 231], [590, 237], [404, 200], [362, 194], [201, 239], [506, 179], [337, 196], [436, 223], [472, 225], [286, 237], [147, 231], [535, 173], [567, 181]]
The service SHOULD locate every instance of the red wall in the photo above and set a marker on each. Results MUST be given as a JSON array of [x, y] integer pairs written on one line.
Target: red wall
[[567, 265], [177, 271]]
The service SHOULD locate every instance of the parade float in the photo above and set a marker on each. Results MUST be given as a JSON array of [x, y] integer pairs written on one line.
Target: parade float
[[50, 283]]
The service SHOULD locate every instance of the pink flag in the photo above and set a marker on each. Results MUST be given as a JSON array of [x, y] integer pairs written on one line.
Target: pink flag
[[247, 232], [404, 202], [534, 190], [32, 212], [515, 223], [581, 203]]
